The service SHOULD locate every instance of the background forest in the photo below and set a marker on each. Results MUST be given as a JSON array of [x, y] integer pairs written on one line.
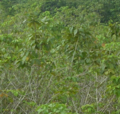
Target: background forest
[[59, 57]]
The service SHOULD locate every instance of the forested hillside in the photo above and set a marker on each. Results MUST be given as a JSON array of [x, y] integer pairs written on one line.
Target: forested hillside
[[59, 57]]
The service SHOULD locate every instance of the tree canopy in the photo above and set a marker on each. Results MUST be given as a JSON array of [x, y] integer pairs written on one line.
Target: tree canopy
[[59, 56]]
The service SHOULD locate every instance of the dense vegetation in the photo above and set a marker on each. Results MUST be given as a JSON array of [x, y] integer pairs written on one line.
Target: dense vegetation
[[59, 57]]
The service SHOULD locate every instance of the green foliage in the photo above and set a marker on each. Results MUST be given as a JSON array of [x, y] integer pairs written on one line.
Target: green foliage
[[88, 109], [53, 108], [58, 57], [10, 7], [110, 11], [114, 88], [55, 4]]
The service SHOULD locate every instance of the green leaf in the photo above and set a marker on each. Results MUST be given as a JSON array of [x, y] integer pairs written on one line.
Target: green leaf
[[71, 29], [75, 32]]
